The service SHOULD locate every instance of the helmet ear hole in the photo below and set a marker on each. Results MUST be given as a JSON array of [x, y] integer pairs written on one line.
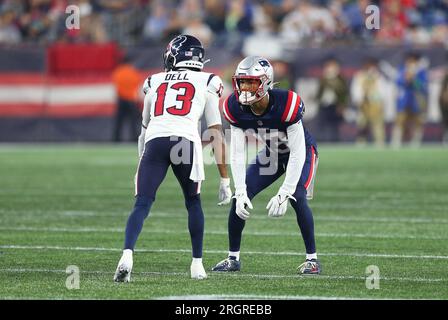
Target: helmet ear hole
[[172, 61], [168, 60]]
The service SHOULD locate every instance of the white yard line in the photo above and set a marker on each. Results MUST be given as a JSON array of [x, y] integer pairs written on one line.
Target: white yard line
[[243, 275], [107, 272], [381, 219], [213, 297], [163, 214], [224, 232], [278, 253], [260, 297]]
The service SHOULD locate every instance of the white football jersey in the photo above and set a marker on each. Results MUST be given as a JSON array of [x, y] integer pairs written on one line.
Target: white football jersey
[[176, 100]]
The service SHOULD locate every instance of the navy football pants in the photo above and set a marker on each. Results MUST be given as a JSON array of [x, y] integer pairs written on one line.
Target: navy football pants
[[257, 182], [159, 154]]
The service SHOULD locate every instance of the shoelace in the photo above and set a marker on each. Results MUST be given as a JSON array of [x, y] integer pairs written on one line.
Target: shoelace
[[229, 261], [225, 262], [307, 265], [123, 268]]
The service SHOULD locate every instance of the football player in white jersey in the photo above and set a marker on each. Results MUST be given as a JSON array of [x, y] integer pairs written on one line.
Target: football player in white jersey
[[175, 101]]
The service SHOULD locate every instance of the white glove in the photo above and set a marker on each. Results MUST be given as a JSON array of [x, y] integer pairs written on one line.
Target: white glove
[[225, 193], [241, 202], [278, 205]]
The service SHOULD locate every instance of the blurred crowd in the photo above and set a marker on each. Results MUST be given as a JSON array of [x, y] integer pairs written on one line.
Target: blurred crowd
[[296, 22], [366, 94]]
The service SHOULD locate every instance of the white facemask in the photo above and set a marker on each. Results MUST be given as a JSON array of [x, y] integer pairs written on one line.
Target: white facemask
[[247, 98]]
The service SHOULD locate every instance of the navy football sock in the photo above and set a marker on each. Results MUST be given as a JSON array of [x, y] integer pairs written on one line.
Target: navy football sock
[[135, 221], [195, 224], [305, 221], [236, 226]]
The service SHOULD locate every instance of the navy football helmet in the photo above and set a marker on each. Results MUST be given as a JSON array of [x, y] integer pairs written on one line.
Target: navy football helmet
[[184, 51]]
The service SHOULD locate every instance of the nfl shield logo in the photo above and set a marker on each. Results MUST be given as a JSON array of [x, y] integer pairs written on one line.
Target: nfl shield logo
[[260, 123]]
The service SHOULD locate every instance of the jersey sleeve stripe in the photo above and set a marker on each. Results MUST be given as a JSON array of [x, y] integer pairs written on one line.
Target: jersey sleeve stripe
[[297, 107], [288, 106], [226, 112], [291, 107], [210, 78]]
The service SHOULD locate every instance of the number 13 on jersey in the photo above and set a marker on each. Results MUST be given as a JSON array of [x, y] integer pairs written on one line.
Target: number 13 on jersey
[[184, 92]]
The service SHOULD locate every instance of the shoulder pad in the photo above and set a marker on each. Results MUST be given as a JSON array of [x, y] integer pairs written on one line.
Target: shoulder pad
[[294, 108], [146, 85], [227, 109], [214, 85]]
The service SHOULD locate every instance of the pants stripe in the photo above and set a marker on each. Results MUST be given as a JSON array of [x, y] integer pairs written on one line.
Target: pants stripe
[[136, 177], [311, 174]]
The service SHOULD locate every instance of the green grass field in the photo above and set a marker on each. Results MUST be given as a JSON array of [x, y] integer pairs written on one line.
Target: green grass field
[[63, 205]]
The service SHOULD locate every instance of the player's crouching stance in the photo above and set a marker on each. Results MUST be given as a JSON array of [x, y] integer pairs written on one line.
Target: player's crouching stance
[[276, 117], [175, 100]]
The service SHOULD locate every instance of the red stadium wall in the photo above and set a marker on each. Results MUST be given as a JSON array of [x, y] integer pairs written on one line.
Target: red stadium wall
[[77, 84], [35, 95], [73, 100], [75, 59]]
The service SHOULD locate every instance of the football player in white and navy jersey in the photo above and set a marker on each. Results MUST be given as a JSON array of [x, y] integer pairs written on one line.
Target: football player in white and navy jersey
[[275, 116], [175, 101]]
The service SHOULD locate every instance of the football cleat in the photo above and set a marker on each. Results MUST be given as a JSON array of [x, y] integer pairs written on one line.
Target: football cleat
[[228, 265], [123, 274], [124, 268], [197, 271], [310, 267]]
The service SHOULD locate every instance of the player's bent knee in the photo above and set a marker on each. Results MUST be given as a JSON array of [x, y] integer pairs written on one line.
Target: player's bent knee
[[251, 194], [300, 196], [143, 201], [192, 201], [300, 192]]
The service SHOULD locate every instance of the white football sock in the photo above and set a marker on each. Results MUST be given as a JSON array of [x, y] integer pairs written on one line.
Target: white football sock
[[311, 256], [197, 269], [235, 254], [127, 253]]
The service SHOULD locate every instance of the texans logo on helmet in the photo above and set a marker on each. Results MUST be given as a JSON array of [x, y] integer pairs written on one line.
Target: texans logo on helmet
[[175, 45]]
